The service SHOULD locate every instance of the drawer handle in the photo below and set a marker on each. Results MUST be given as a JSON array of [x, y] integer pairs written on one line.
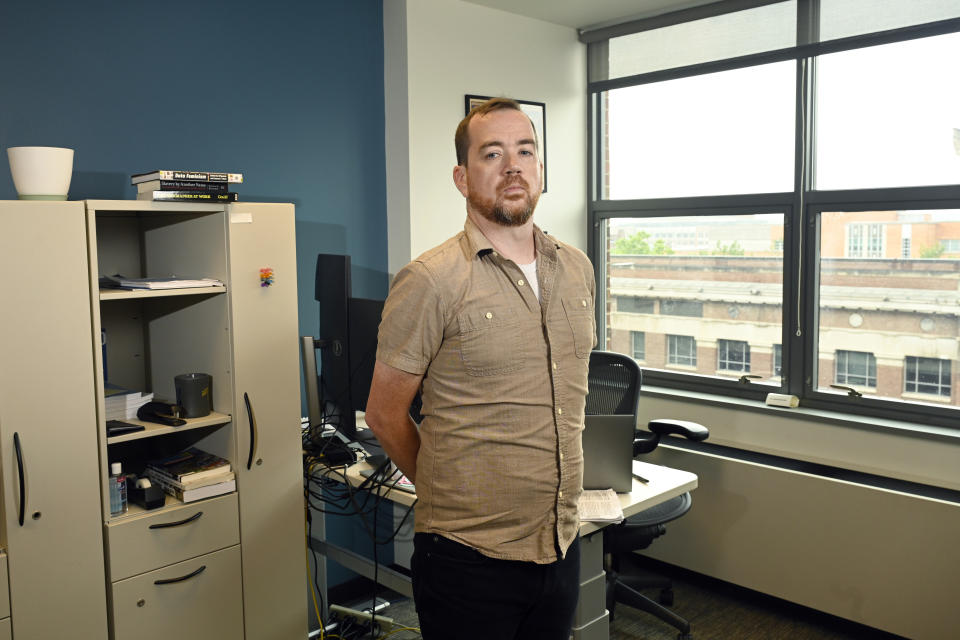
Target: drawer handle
[[182, 578], [167, 525]]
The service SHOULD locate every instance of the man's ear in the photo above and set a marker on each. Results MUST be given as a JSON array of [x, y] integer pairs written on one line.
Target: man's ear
[[460, 179]]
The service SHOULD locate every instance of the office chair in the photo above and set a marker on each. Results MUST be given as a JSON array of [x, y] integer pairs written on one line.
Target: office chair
[[614, 388]]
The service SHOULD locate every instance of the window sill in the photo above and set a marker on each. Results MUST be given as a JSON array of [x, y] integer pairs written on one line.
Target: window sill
[[869, 423]]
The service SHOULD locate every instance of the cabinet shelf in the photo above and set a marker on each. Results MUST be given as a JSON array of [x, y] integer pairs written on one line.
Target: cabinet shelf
[[154, 429], [138, 294]]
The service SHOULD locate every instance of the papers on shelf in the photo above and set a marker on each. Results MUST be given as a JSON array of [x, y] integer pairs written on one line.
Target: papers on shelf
[[122, 282], [600, 505]]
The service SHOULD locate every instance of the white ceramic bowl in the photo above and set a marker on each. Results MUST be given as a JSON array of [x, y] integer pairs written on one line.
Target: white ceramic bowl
[[41, 173]]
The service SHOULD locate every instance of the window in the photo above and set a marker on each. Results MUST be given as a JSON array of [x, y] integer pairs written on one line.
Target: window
[[927, 375], [638, 340], [689, 308], [787, 174], [682, 350], [733, 355], [865, 241], [856, 368], [631, 304]]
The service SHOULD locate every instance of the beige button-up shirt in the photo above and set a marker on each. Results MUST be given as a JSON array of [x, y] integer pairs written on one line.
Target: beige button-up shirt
[[500, 465]]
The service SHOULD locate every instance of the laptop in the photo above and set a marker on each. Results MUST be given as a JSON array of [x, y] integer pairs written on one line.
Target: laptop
[[608, 452]]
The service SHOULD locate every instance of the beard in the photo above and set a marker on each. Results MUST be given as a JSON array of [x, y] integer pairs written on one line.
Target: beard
[[506, 213]]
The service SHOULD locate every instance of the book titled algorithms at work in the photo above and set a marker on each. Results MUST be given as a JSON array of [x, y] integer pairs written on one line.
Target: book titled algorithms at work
[[181, 174], [188, 196]]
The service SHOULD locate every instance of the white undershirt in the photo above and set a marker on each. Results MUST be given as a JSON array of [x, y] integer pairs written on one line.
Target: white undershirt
[[530, 271]]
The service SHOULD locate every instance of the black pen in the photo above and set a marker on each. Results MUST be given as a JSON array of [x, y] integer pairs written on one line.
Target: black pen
[[640, 478]]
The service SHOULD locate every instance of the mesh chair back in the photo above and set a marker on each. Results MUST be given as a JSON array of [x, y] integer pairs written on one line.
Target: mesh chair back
[[613, 384]]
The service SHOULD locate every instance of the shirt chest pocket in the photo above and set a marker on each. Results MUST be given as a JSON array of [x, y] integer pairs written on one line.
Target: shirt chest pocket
[[490, 341], [579, 312]]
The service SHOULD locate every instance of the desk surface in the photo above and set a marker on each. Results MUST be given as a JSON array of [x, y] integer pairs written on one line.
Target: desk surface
[[663, 484]]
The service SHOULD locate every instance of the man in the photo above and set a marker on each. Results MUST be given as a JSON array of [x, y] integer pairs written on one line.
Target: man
[[496, 325]]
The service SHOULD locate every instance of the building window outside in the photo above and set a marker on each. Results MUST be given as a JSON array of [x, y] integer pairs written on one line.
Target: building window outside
[[638, 342], [865, 241], [687, 308], [733, 355], [927, 375], [855, 368], [682, 350], [630, 304]]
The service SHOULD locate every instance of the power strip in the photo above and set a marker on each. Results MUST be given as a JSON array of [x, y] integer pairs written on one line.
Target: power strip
[[363, 617]]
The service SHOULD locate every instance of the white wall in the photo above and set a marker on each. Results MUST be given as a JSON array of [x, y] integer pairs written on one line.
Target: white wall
[[437, 51]]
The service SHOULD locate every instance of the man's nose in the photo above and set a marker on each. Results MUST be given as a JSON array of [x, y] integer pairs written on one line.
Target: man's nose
[[513, 163]]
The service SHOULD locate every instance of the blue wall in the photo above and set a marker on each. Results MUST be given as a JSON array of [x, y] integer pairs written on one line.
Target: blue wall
[[290, 93]]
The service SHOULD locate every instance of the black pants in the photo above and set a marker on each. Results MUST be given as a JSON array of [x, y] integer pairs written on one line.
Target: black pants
[[462, 594]]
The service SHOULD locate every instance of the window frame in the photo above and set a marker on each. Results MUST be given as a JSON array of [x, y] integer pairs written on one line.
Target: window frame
[[801, 209]]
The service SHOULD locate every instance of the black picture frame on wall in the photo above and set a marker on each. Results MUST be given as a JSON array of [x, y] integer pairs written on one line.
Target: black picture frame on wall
[[537, 111]]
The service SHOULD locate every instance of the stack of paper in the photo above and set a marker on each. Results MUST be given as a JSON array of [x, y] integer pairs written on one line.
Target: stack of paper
[[122, 404], [600, 505], [158, 283]]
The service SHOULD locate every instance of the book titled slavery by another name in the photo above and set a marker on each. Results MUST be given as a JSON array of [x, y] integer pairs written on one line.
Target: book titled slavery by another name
[[183, 185]]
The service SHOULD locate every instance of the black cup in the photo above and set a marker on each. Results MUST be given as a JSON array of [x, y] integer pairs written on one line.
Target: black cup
[[193, 394]]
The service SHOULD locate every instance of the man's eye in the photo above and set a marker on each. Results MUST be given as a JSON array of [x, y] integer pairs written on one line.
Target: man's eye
[[526, 152], [492, 155]]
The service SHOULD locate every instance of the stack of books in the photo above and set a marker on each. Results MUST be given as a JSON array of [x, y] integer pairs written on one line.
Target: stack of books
[[186, 186], [192, 475], [122, 404]]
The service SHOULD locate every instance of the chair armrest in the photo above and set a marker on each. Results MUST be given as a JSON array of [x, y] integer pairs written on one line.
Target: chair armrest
[[689, 430]]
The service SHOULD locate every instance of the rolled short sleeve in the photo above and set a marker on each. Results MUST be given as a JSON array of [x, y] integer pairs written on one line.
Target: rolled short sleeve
[[411, 328]]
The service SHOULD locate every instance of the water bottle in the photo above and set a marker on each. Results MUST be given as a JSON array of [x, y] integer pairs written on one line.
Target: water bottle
[[118, 490]]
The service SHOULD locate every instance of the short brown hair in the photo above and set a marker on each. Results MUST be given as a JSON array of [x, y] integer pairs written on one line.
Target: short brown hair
[[462, 141]]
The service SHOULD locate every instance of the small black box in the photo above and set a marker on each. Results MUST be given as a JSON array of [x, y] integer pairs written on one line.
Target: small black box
[[151, 497]]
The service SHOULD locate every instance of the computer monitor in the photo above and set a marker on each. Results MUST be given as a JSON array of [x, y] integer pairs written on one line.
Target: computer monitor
[[347, 342]]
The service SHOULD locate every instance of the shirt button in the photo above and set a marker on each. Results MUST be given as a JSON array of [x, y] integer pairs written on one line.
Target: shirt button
[[583, 302], [560, 494], [554, 365], [489, 315], [559, 411], [520, 282], [561, 455]]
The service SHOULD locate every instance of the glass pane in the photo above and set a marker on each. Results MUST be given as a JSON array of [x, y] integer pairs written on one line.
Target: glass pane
[[706, 292], [889, 323], [841, 18], [725, 36], [716, 134], [889, 116]]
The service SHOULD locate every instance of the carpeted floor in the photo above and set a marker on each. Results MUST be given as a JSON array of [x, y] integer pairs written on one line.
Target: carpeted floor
[[715, 610]]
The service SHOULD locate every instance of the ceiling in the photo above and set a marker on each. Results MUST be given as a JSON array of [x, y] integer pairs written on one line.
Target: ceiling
[[581, 14]]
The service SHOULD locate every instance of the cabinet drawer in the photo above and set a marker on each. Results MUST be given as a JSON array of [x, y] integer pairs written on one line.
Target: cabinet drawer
[[148, 541], [4, 588], [208, 605]]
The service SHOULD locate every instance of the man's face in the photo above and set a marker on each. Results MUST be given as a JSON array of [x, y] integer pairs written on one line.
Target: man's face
[[502, 179]]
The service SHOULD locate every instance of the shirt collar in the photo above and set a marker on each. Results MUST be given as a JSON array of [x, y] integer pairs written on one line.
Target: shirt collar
[[480, 245]]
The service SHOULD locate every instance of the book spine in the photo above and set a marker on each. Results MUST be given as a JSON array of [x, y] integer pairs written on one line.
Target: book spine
[[182, 185], [169, 487], [195, 176], [188, 196]]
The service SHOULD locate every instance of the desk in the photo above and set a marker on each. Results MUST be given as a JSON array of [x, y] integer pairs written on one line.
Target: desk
[[592, 619]]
